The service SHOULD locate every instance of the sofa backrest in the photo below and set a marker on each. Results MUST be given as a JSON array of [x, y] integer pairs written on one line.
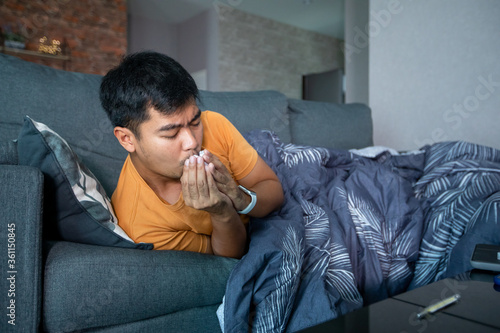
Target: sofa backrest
[[330, 125], [251, 110], [68, 103]]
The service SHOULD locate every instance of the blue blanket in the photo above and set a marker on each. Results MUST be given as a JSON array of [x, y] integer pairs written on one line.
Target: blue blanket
[[348, 234], [460, 196]]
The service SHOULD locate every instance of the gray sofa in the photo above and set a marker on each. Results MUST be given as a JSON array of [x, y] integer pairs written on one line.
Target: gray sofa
[[57, 282]]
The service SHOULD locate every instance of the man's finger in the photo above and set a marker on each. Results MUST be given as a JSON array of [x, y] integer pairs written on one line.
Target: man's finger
[[215, 194], [201, 179], [211, 158], [219, 176], [192, 186]]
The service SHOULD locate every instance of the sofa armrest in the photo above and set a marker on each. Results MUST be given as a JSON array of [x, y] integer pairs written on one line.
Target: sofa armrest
[[21, 196]]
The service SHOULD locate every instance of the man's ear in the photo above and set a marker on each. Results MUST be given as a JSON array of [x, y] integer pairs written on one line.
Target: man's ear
[[126, 138]]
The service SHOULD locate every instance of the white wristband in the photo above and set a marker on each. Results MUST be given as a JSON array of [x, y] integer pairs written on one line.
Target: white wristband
[[252, 203]]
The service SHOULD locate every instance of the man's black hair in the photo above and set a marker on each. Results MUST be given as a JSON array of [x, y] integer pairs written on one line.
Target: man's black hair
[[144, 80]]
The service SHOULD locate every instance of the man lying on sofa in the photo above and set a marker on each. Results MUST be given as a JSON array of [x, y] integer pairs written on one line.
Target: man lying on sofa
[[167, 194]]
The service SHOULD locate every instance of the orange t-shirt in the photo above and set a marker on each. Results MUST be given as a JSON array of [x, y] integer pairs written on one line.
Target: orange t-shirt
[[145, 217]]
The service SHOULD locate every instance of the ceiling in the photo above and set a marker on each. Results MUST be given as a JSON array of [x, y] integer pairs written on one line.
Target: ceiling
[[323, 16]]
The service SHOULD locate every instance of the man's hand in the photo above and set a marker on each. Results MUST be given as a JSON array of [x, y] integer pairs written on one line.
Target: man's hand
[[225, 183], [199, 188], [200, 191]]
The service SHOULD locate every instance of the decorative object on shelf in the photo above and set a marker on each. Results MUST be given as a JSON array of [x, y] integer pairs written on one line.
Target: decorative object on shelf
[[53, 48], [12, 39]]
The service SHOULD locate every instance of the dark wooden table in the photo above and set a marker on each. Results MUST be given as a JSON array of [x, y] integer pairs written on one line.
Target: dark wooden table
[[478, 309]]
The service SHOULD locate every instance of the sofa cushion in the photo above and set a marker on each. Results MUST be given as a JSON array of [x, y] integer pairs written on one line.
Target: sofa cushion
[[339, 126], [76, 207], [70, 103], [189, 320], [251, 110], [113, 286]]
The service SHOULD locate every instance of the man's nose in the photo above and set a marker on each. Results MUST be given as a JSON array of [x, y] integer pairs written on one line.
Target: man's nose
[[188, 139]]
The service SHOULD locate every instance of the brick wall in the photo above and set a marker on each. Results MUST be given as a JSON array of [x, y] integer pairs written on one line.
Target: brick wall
[[95, 30]]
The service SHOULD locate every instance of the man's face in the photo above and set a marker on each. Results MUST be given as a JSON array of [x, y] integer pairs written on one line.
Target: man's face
[[165, 142]]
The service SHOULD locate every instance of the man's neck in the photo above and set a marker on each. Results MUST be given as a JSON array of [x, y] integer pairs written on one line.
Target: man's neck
[[170, 192], [167, 189]]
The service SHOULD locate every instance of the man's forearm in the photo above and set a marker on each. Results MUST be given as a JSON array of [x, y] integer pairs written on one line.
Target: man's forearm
[[228, 235]]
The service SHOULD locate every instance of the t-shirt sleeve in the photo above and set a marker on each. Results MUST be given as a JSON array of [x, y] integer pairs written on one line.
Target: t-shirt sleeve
[[229, 144]]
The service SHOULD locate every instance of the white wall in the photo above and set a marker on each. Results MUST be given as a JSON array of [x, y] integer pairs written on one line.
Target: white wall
[[356, 51], [147, 34], [193, 43], [213, 40], [198, 46], [434, 71]]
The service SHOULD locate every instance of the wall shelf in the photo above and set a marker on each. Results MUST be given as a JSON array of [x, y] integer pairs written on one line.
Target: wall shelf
[[13, 51]]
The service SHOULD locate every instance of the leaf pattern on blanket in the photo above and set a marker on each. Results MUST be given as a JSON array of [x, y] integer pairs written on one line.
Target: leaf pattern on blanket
[[460, 187], [333, 262], [380, 237], [489, 210], [350, 230], [280, 300], [316, 222], [369, 227], [296, 154], [339, 274]]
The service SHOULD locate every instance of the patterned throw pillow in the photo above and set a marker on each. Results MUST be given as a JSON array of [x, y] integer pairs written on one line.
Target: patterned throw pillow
[[76, 207]]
